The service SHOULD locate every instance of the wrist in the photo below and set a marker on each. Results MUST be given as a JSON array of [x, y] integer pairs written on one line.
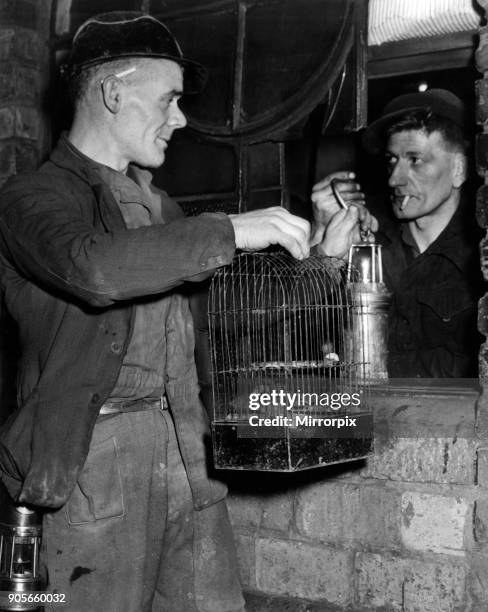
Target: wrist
[[322, 251]]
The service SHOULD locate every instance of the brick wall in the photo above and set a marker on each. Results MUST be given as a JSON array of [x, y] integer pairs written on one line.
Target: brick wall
[[24, 128], [24, 64], [405, 532]]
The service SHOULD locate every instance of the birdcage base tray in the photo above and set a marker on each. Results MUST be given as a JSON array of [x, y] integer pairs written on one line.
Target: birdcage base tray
[[284, 454]]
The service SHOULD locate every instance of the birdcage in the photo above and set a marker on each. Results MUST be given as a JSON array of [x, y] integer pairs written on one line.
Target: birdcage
[[287, 392]]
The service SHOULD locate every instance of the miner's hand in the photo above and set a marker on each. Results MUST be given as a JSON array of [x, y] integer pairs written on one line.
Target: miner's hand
[[325, 205], [261, 228]]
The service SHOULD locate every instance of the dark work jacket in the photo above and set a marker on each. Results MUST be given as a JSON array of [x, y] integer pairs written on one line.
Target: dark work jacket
[[70, 272], [433, 316]]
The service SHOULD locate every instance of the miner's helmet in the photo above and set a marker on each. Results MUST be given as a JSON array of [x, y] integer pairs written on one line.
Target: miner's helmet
[[125, 34]]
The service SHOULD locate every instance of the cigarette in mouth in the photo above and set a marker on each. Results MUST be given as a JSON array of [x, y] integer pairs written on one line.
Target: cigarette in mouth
[[404, 202]]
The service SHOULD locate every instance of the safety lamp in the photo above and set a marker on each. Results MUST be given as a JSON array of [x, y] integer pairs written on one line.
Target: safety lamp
[[365, 265], [20, 539], [369, 320]]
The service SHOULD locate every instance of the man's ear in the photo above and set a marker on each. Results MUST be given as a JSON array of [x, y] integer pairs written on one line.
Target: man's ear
[[111, 93], [460, 169]]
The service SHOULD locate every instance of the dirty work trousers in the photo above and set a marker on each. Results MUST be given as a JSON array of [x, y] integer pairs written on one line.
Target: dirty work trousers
[[129, 540]]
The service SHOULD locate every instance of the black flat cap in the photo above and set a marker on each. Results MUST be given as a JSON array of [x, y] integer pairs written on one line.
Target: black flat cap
[[439, 101], [124, 34]]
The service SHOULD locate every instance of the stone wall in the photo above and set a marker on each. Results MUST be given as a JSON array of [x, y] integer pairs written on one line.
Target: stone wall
[[404, 532], [24, 129], [24, 66]]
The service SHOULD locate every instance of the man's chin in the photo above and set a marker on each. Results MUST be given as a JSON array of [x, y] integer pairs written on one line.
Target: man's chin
[[398, 213], [154, 161], [403, 215], [156, 164]]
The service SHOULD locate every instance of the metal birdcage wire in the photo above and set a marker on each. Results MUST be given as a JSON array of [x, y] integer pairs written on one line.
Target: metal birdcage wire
[[280, 324]]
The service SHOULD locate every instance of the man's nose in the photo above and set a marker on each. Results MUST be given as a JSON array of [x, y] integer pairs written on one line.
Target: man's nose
[[177, 118], [398, 175]]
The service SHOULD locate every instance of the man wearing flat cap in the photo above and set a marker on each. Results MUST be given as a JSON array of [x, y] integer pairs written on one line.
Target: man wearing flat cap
[[110, 436], [431, 240]]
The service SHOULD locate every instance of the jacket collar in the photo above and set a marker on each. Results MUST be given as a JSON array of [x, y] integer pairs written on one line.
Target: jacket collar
[[451, 243], [67, 156]]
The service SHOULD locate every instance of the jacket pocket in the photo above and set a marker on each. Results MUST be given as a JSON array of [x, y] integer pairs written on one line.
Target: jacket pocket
[[446, 300], [98, 493]]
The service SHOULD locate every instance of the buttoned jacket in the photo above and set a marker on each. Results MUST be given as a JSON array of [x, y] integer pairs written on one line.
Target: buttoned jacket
[[71, 272], [433, 316]]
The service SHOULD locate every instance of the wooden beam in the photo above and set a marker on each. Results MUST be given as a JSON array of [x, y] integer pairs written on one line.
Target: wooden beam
[[422, 54]]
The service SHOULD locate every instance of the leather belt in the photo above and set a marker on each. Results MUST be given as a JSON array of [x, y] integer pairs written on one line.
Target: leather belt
[[147, 403]]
